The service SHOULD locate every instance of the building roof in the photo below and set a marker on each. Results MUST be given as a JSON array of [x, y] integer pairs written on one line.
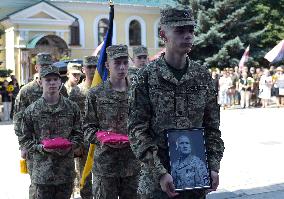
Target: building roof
[[18, 5], [33, 3], [148, 3]]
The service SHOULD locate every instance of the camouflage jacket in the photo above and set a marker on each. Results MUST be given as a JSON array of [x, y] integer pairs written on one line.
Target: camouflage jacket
[[132, 71], [78, 94], [190, 172], [41, 121], [26, 96], [159, 101], [107, 109], [68, 87]]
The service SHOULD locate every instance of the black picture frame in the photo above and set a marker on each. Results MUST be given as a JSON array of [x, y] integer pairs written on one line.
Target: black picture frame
[[188, 159]]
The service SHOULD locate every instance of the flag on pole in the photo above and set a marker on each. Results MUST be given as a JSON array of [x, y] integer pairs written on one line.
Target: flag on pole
[[276, 54], [101, 75], [244, 59], [97, 50]]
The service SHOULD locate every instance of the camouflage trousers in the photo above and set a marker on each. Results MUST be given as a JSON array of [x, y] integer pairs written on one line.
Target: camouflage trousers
[[62, 191], [86, 192], [112, 187], [32, 188]]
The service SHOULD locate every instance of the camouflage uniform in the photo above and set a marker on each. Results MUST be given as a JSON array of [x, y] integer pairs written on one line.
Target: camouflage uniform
[[137, 51], [194, 169], [78, 95], [26, 96], [159, 101], [52, 174], [115, 170], [72, 68]]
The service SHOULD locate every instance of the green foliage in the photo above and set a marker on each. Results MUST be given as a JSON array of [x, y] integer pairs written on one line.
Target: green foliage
[[226, 27], [5, 72]]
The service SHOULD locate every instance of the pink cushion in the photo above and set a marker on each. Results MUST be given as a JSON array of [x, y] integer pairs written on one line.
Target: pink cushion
[[56, 143], [111, 137]]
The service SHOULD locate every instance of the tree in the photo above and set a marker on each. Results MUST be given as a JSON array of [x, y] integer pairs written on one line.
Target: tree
[[272, 22], [232, 29], [224, 29]]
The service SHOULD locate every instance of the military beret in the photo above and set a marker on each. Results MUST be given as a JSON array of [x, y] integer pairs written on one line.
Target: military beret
[[139, 50], [90, 61], [50, 69], [43, 59], [117, 51], [177, 16], [74, 67]]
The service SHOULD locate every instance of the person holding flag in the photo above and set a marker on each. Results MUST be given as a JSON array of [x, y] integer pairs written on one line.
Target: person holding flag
[[244, 59], [115, 169], [78, 94], [101, 74]]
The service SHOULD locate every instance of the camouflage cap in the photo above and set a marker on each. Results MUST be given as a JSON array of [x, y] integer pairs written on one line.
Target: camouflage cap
[[43, 59], [74, 67], [117, 51], [50, 69], [177, 16], [90, 61], [139, 50]]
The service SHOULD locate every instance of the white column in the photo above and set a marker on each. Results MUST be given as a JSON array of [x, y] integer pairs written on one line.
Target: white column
[[10, 49]]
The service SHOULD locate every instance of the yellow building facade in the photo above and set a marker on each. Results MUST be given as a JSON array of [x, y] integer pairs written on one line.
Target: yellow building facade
[[71, 28]]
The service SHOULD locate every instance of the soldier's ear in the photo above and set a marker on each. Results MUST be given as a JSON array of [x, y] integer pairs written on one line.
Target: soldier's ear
[[163, 35], [107, 65]]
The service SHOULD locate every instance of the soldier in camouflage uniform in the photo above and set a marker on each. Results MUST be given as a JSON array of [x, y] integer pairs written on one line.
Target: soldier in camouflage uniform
[[26, 96], [51, 116], [115, 168], [173, 92], [140, 59], [78, 95], [74, 74]]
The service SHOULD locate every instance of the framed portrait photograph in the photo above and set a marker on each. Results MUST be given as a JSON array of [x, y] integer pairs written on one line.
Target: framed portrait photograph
[[188, 159]]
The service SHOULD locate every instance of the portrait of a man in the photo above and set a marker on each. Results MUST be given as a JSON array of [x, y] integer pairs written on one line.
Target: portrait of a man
[[188, 170]]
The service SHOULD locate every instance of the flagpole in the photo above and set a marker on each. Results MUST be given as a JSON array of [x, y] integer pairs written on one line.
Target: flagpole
[[99, 77]]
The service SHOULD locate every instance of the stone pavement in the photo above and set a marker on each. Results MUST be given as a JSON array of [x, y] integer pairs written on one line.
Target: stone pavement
[[252, 167], [267, 192]]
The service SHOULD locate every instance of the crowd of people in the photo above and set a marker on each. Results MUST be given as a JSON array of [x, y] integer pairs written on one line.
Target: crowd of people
[[249, 87], [8, 93]]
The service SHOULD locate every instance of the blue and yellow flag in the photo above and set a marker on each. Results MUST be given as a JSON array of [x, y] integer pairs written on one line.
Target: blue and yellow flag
[[101, 75]]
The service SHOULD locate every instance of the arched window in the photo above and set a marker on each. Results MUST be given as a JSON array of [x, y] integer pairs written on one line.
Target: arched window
[[134, 33], [102, 29], [75, 34]]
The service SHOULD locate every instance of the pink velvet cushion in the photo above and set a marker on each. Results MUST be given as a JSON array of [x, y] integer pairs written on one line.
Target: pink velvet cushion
[[56, 143], [111, 137]]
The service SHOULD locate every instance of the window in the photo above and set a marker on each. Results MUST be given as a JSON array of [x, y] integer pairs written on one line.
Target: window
[[75, 34], [102, 30], [134, 33]]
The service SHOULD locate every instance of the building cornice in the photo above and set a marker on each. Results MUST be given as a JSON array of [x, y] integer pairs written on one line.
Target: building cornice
[[102, 7]]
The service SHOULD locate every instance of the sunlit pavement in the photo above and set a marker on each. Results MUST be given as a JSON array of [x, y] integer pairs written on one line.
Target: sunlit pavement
[[253, 163], [252, 167]]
